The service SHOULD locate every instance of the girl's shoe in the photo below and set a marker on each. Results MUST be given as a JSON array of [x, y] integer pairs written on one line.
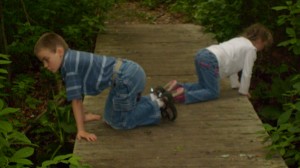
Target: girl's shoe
[[169, 111]]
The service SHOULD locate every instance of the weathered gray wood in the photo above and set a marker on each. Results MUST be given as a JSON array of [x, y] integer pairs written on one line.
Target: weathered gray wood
[[220, 133]]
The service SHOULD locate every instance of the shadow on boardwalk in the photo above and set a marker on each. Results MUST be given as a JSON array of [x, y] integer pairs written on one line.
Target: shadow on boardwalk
[[221, 133]]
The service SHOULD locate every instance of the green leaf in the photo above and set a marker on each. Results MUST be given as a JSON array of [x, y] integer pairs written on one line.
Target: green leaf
[[291, 32], [294, 129], [297, 86], [297, 106], [283, 118], [23, 153], [278, 8], [3, 142], [1, 104], [270, 112], [4, 62], [47, 163], [19, 137], [21, 161], [4, 56], [62, 157], [5, 126], [69, 128], [282, 151], [296, 50], [275, 137], [284, 127], [3, 161], [268, 127], [3, 71], [74, 160], [8, 111]]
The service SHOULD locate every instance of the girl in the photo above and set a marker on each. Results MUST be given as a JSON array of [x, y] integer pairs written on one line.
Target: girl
[[223, 60]]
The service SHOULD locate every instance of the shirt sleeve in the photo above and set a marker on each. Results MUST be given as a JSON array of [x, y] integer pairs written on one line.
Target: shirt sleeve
[[73, 86], [234, 81], [247, 71]]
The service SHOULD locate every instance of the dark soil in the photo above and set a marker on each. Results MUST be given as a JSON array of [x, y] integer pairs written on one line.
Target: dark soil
[[135, 13]]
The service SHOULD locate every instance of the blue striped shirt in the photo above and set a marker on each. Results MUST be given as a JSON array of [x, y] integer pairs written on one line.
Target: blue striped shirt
[[86, 73]]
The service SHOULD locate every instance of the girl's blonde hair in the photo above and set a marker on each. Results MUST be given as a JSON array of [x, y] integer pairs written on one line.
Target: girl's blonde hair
[[50, 41], [258, 31]]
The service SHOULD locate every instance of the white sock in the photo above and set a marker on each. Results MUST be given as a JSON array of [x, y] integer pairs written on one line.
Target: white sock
[[153, 96], [160, 103]]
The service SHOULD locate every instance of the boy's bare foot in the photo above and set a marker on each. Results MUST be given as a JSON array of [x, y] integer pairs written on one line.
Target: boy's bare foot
[[91, 117]]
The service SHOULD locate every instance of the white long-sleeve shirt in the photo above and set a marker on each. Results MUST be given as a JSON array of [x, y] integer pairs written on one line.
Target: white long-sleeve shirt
[[233, 56]]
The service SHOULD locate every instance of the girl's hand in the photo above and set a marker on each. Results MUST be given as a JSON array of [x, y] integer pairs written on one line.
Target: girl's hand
[[248, 95], [86, 135]]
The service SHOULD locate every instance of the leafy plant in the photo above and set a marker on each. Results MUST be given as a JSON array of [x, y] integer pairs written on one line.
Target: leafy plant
[[15, 147], [291, 19], [284, 136], [69, 159], [22, 86], [32, 102], [58, 122], [26, 20], [154, 3], [4, 60]]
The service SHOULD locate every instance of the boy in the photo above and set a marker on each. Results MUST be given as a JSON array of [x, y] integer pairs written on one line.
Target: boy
[[89, 74]]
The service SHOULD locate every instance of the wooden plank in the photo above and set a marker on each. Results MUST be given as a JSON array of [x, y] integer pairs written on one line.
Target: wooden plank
[[220, 133]]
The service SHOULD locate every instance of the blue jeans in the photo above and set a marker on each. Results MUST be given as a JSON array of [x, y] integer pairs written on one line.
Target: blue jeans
[[125, 107], [207, 87]]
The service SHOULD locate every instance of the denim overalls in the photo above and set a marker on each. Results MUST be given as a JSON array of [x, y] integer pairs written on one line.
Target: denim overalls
[[125, 107]]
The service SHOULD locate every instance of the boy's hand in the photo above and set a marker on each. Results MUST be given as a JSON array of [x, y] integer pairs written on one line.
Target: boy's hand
[[86, 135]]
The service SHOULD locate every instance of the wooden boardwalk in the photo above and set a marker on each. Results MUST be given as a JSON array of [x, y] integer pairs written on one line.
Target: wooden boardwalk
[[221, 133]]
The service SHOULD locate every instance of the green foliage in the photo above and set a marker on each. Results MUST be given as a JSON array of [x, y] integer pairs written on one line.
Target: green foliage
[[26, 20], [155, 3], [208, 14], [22, 86], [226, 18], [15, 150], [269, 90], [4, 61], [284, 135], [290, 18], [22, 90], [14, 145], [58, 122], [69, 159], [271, 79]]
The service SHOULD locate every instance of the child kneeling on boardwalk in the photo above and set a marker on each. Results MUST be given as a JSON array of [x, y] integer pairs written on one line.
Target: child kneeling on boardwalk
[[226, 59], [89, 74]]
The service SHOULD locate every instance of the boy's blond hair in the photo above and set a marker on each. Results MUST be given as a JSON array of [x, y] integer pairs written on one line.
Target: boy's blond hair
[[50, 41], [257, 31]]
